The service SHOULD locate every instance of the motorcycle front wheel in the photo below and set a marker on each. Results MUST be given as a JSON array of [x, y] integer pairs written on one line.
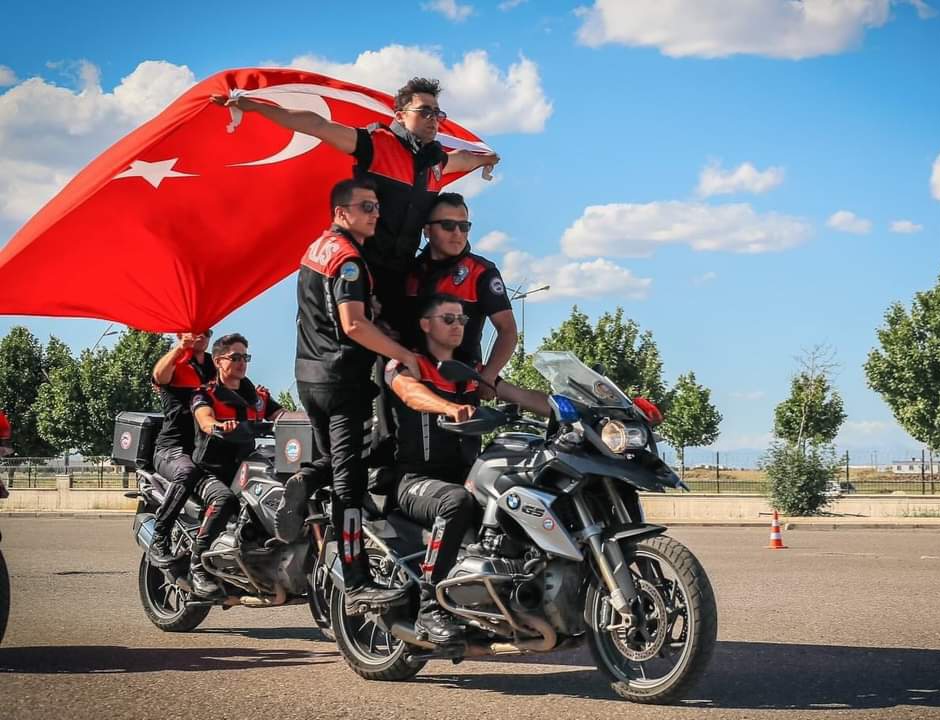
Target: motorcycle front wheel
[[370, 651], [653, 661], [165, 603]]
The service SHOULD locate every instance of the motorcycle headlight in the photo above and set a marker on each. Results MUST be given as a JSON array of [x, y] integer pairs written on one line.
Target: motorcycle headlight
[[620, 436]]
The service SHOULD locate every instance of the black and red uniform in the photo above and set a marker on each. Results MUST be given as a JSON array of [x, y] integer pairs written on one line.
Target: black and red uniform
[[219, 458], [173, 448], [473, 279], [6, 436], [334, 383], [408, 177], [434, 464]]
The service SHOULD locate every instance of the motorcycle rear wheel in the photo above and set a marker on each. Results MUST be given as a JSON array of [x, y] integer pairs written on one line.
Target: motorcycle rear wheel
[[682, 625], [369, 651], [4, 596], [165, 603]]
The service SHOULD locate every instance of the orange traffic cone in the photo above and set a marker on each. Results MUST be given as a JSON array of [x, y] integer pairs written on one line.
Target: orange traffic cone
[[776, 537]]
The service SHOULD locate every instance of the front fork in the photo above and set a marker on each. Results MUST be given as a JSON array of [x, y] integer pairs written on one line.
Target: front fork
[[608, 556]]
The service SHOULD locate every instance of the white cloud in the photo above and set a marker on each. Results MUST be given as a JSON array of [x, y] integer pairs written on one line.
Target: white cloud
[[749, 395], [476, 93], [572, 279], [704, 278], [935, 179], [494, 241], [472, 184], [449, 9], [636, 230], [744, 441], [48, 132], [906, 227], [847, 221], [7, 76], [714, 180], [510, 4], [713, 28]]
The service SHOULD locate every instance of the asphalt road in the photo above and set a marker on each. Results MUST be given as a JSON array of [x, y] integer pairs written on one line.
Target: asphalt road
[[843, 623]]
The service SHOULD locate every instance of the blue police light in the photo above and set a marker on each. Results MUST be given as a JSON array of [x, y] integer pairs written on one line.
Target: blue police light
[[564, 409]]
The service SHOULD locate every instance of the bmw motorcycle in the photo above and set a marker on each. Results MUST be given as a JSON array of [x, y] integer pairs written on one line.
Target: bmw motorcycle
[[250, 564], [563, 554]]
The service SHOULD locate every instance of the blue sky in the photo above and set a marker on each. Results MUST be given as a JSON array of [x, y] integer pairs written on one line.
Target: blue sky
[[730, 177]]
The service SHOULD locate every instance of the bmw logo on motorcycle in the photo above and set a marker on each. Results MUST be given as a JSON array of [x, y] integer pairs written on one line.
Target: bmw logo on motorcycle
[[513, 501]]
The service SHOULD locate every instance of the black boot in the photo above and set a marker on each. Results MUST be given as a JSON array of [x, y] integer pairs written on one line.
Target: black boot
[[439, 626], [202, 582], [159, 552], [292, 510], [363, 594]]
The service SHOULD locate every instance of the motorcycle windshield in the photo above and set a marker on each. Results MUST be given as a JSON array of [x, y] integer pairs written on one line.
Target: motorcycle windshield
[[570, 377]]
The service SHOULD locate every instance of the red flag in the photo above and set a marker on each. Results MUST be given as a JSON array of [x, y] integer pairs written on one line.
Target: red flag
[[194, 213]]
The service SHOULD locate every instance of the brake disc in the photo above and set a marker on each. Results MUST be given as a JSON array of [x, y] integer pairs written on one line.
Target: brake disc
[[630, 642]]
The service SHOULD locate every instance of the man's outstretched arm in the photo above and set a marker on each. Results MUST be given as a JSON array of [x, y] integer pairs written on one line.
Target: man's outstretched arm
[[342, 137], [419, 398]]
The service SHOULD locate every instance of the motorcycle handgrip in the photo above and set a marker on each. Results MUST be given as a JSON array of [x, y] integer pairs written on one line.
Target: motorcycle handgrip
[[485, 419]]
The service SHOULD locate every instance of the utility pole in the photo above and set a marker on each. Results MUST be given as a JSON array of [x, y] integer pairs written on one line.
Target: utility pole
[[517, 294]]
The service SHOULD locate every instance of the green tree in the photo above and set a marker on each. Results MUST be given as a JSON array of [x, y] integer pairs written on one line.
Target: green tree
[[630, 358], [905, 370], [286, 400], [798, 478], [21, 375], [692, 419], [60, 407], [814, 412]]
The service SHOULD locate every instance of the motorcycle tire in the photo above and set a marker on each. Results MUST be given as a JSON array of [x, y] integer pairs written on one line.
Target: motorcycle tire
[[165, 604], [4, 596], [688, 595], [372, 662]]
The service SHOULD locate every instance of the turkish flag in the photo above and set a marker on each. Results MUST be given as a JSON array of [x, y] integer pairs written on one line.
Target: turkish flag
[[196, 212]]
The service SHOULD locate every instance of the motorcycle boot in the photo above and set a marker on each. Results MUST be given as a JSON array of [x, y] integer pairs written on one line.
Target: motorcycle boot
[[159, 553], [202, 582], [291, 511], [433, 622]]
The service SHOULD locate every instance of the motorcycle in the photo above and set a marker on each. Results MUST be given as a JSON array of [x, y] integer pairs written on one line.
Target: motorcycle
[[563, 555], [253, 568], [4, 573]]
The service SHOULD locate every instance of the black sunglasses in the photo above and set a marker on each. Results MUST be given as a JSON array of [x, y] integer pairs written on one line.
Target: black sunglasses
[[428, 112], [237, 357], [367, 206], [451, 318], [451, 225]]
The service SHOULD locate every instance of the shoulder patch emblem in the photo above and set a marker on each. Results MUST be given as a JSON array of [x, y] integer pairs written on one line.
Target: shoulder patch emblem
[[436, 170], [349, 271], [497, 287], [460, 273]]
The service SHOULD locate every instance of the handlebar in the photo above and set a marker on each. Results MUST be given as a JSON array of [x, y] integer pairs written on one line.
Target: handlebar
[[246, 430], [486, 419]]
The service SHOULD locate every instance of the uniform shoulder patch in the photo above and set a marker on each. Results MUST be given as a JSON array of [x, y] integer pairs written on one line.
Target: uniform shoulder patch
[[497, 287], [349, 271]]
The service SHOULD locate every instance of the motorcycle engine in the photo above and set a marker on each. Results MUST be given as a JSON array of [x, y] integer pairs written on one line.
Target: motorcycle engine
[[227, 563], [473, 594]]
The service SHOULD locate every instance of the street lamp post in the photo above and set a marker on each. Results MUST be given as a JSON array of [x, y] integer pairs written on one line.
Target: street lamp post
[[517, 294], [107, 331]]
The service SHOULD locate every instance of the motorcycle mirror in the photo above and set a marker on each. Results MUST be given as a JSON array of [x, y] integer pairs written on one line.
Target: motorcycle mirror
[[456, 371], [599, 368]]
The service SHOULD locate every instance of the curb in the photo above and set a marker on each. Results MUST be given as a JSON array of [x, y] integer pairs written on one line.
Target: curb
[[73, 514]]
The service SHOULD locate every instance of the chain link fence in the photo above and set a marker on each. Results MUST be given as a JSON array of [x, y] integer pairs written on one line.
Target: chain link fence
[[37, 472]]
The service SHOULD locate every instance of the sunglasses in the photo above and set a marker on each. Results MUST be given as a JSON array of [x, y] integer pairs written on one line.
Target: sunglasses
[[367, 206], [428, 112], [451, 225], [451, 318], [237, 357]]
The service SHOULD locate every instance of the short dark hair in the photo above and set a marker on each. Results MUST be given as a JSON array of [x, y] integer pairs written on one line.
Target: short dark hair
[[448, 198], [342, 192], [413, 87], [436, 300], [224, 343]]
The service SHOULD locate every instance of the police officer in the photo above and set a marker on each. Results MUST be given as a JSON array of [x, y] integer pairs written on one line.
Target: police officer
[[6, 436], [447, 266], [433, 462], [221, 405], [337, 344], [407, 165], [177, 374]]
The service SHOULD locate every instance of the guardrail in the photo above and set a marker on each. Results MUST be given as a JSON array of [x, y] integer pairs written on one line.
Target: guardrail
[[45, 472]]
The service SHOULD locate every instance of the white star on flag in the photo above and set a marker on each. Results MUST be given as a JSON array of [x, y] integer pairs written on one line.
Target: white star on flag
[[153, 172]]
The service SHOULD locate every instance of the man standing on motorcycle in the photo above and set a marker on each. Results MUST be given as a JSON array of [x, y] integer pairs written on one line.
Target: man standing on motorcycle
[[433, 462], [177, 374], [446, 266], [337, 343], [220, 406]]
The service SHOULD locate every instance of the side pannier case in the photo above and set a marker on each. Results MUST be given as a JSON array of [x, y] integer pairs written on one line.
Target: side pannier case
[[134, 436]]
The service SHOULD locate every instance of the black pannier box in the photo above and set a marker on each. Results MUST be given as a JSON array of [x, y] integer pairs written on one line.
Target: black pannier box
[[293, 442], [134, 436]]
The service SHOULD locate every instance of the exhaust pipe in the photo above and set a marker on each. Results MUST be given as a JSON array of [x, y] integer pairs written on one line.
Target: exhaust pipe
[[526, 597], [406, 633], [545, 643]]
